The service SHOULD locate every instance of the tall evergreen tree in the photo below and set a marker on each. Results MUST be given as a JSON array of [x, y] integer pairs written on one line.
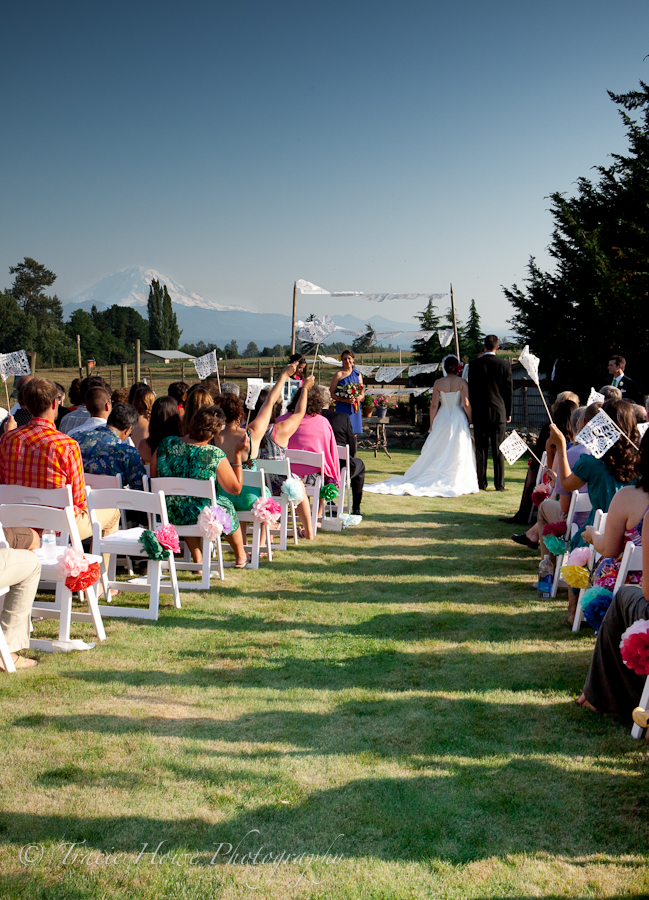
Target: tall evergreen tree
[[595, 302], [472, 338], [427, 351], [154, 308], [19, 330], [363, 344], [169, 323]]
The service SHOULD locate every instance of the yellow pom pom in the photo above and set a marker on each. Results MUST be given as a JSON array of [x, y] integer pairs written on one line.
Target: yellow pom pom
[[575, 576]]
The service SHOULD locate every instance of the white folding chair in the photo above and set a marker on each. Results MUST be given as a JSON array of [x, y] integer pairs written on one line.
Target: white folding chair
[[578, 503], [194, 487], [126, 543], [539, 479], [599, 524], [282, 467], [315, 461], [329, 521], [256, 481], [62, 521], [5, 653], [102, 483]]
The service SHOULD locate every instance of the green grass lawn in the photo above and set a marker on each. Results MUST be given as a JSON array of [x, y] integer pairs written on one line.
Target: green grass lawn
[[386, 713]]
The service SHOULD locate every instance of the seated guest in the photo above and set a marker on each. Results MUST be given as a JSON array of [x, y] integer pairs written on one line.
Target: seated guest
[[610, 392], [194, 456], [143, 401], [20, 571], [39, 456], [17, 386], [63, 410], [611, 686], [119, 395], [640, 413], [197, 396], [164, 422], [99, 405], [20, 412], [604, 477], [134, 388], [80, 414], [344, 434], [105, 451], [177, 391], [75, 394], [230, 387]]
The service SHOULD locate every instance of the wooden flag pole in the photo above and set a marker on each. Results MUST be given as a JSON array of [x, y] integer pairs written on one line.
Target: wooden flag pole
[[457, 343], [218, 380], [293, 325], [315, 356], [7, 396], [544, 403]]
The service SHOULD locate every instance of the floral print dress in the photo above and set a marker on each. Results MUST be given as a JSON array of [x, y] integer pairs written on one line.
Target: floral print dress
[[608, 568], [178, 459]]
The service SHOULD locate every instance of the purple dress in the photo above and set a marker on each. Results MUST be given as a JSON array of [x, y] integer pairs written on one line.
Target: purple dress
[[356, 418]]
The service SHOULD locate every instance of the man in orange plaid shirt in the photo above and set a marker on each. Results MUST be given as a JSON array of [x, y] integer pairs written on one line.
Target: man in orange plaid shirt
[[39, 456]]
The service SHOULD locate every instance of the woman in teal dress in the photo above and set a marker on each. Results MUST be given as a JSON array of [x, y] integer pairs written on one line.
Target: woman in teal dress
[[193, 456]]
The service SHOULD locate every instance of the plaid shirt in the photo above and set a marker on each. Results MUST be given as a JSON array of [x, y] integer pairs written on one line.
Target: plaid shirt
[[39, 456]]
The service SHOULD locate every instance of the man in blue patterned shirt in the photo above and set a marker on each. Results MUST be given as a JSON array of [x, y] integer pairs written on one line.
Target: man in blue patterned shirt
[[104, 451]]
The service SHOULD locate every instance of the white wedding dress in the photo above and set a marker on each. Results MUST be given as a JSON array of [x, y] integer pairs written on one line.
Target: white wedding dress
[[446, 466]]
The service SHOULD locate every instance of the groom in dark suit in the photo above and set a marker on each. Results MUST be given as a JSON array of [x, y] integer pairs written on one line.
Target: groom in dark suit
[[490, 394]]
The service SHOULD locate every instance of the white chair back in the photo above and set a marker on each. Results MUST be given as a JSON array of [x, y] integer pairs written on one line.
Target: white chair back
[[256, 480], [631, 562], [102, 482], [58, 498], [316, 462], [282, 467], [124, 498], [47, 517], [599, 524]]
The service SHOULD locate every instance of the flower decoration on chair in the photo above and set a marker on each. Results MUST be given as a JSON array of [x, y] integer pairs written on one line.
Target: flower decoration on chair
[[293, 489], [266, 510], [554, 544], [168, 538], [329, 492], [79, 573], [575, 572], [152, 546], [556, 528], [540, 493], [213, 521], [594, 603], [634, 647]]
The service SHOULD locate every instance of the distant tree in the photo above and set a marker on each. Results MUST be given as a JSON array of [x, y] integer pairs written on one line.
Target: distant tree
[[472, 338], [29, 290], [251, 351], [363, 343], [55, 345], [154, 309], [201, 348], [19, 330], [169, 323], [232, 350], [428, 351], [92, 340]]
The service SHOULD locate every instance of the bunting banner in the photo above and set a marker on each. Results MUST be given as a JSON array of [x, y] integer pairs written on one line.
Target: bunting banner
[[422, 369], [398, 391], [445, 336], [206, 365], [365, 370], [329, 360], [388, 373], [307, 287], [513, 447], [14, 364], [595, 397]]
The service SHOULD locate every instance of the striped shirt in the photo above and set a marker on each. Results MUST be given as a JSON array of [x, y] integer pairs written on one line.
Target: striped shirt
[[39, 456]]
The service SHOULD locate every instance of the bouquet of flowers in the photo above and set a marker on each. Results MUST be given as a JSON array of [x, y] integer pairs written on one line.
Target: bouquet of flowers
[[350, 393]]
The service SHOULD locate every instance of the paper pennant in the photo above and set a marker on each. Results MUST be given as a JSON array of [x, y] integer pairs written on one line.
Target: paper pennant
[[595, 397], [388, 373], [255, 387], [422, 369], [14, 364], [307, 287], [599, 435], [329, 360], [513, 447], [530, 363], [317, 330], [365, 370], [445, 336], [206, 365]]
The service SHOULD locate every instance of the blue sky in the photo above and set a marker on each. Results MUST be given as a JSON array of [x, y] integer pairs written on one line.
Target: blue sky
[[384, 146]]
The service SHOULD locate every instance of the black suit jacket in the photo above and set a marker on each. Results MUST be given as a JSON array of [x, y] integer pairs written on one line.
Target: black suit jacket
[[342, 429], [630, 390], [490, 390]]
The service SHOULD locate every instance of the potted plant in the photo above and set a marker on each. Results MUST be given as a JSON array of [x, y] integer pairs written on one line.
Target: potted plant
[[383, 403], [368, 406]]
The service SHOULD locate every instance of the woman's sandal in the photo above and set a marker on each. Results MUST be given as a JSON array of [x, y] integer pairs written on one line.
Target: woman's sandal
[[242, 565], [585, 704], [23, 662]]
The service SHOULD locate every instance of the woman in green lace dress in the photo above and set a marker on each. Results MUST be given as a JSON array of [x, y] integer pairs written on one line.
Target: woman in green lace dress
[[193, 456]]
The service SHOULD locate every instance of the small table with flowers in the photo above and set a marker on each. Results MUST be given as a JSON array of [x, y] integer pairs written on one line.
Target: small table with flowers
[[378, 439]]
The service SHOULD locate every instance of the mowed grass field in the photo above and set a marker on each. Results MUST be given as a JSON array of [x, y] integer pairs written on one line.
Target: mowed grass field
[[385, 713]]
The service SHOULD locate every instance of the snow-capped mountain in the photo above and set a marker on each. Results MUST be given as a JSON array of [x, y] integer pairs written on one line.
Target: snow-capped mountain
[[130, 287]]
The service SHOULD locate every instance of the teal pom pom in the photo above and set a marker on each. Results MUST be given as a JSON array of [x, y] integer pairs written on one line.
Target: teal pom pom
[[594, 603], [554, 544], [329, 492], [293, 489]]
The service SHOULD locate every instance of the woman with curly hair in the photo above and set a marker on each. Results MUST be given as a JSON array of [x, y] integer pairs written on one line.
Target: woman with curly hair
[[197, 396], [143, 401], [617, 468], [164, 422]]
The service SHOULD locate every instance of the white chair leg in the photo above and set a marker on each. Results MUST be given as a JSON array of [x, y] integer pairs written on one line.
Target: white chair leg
[[173, 578], [5, 654], [579, 615], [256, 539], [294, 518], [269, 546], [93, 609], [66, 611], [283, 527], [637, 731], [219, 558], [154, 568], [206, 571]]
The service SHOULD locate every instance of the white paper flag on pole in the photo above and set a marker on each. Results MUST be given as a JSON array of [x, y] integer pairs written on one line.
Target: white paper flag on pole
[[388, 373], [445, 336], [317, 330], [530, 363], [513, 447], [642, 427], [595, 397], [206, 365], [599, 435], [422, 369], [364, 370], [307, 287], [14, 364], [329, 360], [255, 387]]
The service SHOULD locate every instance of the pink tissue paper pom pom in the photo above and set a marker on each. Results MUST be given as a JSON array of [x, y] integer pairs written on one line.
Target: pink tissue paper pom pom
[[634, 647], [213, 521], [73, 563], [579, 556], [168, 538], [267, 510]]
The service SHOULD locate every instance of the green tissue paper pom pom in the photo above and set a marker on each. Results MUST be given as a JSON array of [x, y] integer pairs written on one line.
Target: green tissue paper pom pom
[[554, 544], [152, 546], [329, 492]]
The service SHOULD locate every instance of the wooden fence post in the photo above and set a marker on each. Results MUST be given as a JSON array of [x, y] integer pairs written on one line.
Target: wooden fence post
[[124, 374]]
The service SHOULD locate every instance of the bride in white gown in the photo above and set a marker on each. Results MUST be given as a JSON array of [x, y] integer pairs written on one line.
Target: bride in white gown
[[446, 466]]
